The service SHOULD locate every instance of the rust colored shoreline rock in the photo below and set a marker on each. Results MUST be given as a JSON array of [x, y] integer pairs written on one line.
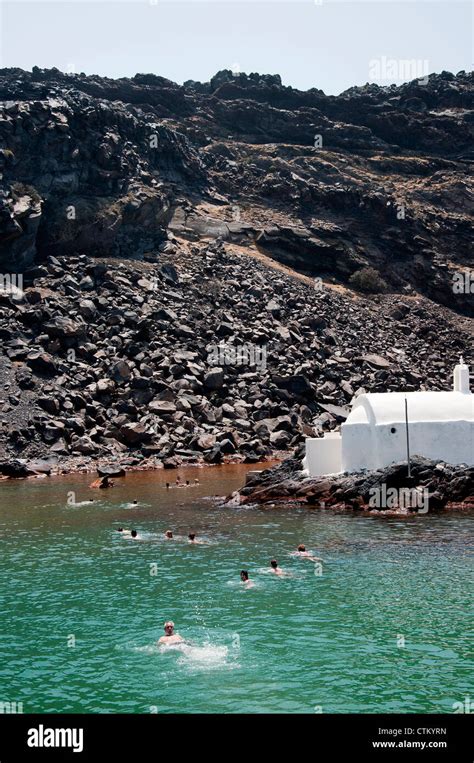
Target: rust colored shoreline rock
[[433, 487]]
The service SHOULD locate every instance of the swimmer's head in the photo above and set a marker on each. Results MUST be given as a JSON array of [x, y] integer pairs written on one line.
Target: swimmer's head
[[167, 484], [244, 576], [187, 482], [169, 627], [301, 547], [274, 564], [91, 500], [134, 533], [169, 534], [135, 502], [191, 536]]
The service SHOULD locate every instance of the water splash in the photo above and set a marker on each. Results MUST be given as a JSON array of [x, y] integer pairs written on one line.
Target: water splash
[[206, 657]]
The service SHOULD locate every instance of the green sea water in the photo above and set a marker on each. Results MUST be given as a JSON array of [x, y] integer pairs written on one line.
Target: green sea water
[[385, 625]]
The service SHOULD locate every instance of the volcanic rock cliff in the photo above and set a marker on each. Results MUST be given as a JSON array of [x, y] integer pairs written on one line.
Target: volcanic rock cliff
[[151, 222]]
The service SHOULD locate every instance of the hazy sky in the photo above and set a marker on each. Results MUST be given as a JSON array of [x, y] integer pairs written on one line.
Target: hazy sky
[[331, 45]]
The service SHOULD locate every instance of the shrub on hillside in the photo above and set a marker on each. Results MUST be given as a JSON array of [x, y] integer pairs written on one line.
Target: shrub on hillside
[[368, 280]]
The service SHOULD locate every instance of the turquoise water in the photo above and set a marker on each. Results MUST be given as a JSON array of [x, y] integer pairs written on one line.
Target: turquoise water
[[386, 627]]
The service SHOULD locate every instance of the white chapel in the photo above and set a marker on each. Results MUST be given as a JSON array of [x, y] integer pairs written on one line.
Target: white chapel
[[374, 435]]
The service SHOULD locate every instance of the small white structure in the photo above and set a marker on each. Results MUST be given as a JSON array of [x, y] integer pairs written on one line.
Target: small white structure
[[440, 427]]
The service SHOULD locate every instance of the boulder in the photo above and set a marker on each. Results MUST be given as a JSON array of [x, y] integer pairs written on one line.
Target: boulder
[[111, 470], [134, 434], [214, 379]]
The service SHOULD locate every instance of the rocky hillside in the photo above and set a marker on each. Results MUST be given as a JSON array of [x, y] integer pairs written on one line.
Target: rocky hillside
[[152, 223]]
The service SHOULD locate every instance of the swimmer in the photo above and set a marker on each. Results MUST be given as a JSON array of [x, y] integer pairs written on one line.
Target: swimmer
[[192, 538], [306, 555], [169, 535], [167, 485], [178, 480], [106, 482], [275, 568], [135, 535], [187, 483], [170, 636], [244, 577], [196, 481], [124, 531]]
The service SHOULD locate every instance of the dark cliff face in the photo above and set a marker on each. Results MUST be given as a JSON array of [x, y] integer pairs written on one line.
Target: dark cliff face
[[152, 223], [326, 184]]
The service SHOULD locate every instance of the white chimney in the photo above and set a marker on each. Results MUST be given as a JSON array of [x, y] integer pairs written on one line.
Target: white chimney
[[461, 377]]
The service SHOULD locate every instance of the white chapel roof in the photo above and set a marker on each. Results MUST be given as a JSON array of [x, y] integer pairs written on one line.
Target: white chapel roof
[[388, 407]]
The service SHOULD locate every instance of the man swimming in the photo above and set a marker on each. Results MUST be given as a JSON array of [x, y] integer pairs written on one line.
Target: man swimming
[[306, 555], [170, 636], [244, 577], [106, 482], [192, 539], [169, 535], [275, 568]]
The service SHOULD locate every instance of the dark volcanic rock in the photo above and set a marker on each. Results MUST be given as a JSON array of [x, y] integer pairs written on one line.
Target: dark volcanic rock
[[142, 216], [439, 485], [325, 184], [111, 470], [126, 380], [16, 469]]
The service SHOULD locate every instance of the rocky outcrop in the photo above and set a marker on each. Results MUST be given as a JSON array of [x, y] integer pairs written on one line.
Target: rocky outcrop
[[83, 173], [433, 487], [211, 356], [376, 176], [159, 229]]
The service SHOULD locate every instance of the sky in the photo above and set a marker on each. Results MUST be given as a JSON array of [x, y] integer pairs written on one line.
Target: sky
[[328, 44]]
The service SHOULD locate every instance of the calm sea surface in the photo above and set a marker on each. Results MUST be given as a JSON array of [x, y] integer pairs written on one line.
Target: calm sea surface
[[385, 627]]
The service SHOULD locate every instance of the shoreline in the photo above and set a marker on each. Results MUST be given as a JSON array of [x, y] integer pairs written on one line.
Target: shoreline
[[435, 487], [46, 468], [281, 483]]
